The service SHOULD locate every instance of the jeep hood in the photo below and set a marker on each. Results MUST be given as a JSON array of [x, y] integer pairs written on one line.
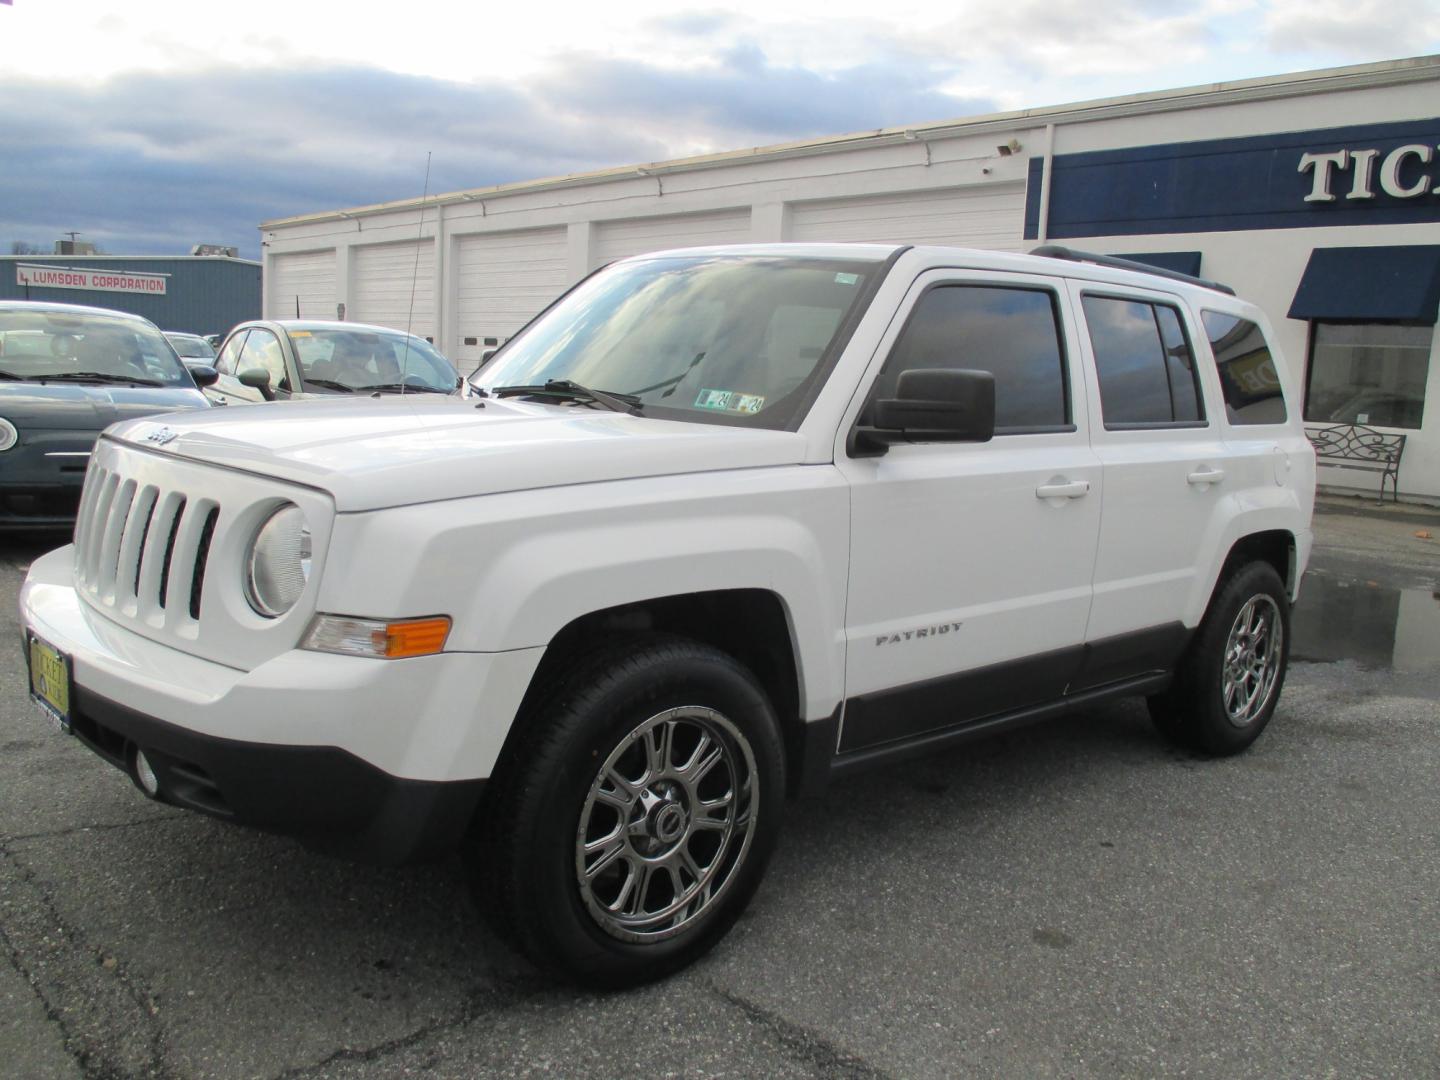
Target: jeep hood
[[395, 451]]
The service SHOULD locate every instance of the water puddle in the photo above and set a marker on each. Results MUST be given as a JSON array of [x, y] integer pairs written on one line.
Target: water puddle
[[1378, 627]]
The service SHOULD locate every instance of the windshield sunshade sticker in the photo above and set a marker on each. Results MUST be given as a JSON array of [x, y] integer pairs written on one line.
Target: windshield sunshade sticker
[[730, 401]]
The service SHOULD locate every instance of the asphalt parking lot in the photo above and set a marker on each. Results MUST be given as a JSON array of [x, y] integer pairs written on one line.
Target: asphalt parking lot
[[1076, 899]]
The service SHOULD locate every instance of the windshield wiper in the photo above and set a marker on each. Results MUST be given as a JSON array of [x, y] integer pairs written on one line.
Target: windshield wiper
[[331, 384], [627, 403], [404, 388], [98, 377], [11, 376]]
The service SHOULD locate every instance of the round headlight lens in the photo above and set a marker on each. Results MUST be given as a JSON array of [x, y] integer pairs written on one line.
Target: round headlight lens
[[8, 435], [278, 565]]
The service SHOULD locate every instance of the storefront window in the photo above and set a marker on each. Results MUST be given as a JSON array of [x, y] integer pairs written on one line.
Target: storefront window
[[1368, 373]]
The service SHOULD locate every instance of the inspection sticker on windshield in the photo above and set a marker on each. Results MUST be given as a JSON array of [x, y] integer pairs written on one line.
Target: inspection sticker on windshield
[[730, 401], [846, 279]]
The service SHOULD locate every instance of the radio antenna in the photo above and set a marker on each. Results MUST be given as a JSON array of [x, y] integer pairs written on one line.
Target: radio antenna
[[415, 273]]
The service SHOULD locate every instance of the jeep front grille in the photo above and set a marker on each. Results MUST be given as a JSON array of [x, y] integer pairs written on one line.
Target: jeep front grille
[[140, 549]]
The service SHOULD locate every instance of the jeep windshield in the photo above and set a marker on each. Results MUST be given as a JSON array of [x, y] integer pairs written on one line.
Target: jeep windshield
[[732, 339], [66, 347]]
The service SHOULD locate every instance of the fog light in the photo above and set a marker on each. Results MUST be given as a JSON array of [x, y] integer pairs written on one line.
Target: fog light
[[145, 775]]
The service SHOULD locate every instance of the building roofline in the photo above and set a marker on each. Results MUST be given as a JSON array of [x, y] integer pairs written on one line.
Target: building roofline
[[1383, 73], [136, 258]]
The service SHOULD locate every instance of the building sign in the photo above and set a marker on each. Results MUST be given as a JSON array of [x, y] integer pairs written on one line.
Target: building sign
[[1360, 166], [90, 279], [1375, 174]]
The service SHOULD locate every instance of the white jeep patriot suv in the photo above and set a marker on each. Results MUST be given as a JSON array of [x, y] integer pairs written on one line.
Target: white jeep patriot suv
[[717, 525]]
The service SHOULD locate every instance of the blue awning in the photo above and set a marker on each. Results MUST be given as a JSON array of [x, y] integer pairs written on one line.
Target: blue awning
[[1182, 262], [1371, 284]]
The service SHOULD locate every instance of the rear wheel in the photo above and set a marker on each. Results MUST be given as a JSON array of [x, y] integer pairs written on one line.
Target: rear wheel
[[632, 824], [1229, 681]]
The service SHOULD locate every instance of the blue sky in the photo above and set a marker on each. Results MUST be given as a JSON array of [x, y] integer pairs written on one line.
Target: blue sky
[[168, 123]]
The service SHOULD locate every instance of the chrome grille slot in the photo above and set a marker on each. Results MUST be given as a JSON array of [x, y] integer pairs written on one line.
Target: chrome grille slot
[[193, 520], [202, 555], [155, 557], [110, 544], [137, 526], [170, 551], [95, 534]]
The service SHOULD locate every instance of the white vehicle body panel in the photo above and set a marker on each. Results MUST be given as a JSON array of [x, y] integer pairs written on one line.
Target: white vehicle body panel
[[516, 519]]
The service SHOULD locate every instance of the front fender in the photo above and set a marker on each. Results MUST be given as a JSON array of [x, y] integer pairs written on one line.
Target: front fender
[[512, 570]]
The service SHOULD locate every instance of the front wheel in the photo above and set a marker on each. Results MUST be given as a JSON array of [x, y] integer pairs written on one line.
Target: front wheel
[[633, 821], [1228, 683]]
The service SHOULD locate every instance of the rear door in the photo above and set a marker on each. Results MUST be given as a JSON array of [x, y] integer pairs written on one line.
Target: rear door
[[1166, 474], [970, 567]]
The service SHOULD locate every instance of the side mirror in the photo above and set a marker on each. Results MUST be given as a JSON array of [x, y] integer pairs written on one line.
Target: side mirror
[[258, 379], [204, 375], [936, 405]]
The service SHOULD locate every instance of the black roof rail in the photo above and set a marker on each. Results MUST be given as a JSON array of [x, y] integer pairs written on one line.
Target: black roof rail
[[1058, 251]]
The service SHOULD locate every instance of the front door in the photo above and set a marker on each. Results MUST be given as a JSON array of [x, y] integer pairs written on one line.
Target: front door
[[970, 572]]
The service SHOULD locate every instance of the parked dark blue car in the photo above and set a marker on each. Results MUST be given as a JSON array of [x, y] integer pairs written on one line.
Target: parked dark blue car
[[66, 373]]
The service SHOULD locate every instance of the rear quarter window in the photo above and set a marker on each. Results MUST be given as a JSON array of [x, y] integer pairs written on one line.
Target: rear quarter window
[[1247, 370]]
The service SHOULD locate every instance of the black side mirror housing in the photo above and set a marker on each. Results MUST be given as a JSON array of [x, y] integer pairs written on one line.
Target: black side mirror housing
[[930, 405], [258, 379], [204, 375]]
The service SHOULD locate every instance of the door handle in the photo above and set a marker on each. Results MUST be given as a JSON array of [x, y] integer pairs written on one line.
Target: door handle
[[1206, 476], [1070, 489]]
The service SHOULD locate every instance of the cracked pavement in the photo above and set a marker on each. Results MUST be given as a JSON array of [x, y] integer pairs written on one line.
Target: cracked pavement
[[1075, 899]]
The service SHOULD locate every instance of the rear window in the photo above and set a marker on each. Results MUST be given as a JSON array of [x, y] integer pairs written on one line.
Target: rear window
[[1144, 363], [1247, 370]]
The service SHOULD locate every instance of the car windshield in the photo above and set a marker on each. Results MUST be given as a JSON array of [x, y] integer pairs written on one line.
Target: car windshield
[[191, 346], [40, 346], [346, 361], [735, 339]]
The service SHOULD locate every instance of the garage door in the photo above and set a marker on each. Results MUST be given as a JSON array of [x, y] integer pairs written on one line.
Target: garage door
[[306, 279], [384, 275], [635, 236], [988, 217], [503, 280]]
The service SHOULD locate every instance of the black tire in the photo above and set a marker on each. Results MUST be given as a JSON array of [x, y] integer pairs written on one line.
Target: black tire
[[525, 859], [1194, 711]]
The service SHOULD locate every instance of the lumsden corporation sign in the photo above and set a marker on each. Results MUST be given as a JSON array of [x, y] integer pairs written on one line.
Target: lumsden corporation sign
[[66, 277]]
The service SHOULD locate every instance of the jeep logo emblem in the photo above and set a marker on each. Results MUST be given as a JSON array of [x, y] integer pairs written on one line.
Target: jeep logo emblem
[[161, 436]]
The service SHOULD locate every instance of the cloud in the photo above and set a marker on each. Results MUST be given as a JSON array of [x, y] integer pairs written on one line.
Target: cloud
[[1355, 29], [154, 162]]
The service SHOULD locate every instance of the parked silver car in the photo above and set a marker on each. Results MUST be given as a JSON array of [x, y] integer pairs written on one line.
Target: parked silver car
[[290, 359]]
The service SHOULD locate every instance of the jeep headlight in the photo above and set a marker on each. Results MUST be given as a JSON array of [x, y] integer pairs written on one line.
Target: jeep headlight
[[8, 435], [277, 565]]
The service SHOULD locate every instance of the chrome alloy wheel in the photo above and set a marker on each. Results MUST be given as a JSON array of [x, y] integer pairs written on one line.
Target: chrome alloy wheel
[[1252, 659], [666, 823]]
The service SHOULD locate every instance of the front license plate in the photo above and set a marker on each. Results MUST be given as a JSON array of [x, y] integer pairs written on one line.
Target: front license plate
[[50, 680]]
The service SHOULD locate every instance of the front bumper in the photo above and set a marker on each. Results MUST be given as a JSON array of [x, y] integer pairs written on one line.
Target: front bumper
[[328, 799], [373, 759]]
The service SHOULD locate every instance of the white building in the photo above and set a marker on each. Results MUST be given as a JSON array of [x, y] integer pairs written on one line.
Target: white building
[[1315, 195]]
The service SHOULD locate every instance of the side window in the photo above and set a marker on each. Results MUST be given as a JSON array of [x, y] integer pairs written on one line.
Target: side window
[[1247, 370], [1144, 361], [225, 364], [262, 350], [1013, 333]]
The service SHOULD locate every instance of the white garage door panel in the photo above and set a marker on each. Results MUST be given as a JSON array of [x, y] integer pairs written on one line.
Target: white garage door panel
[[383, 277], [636, 236], [504, 279], [309, 275], [990, 217]]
